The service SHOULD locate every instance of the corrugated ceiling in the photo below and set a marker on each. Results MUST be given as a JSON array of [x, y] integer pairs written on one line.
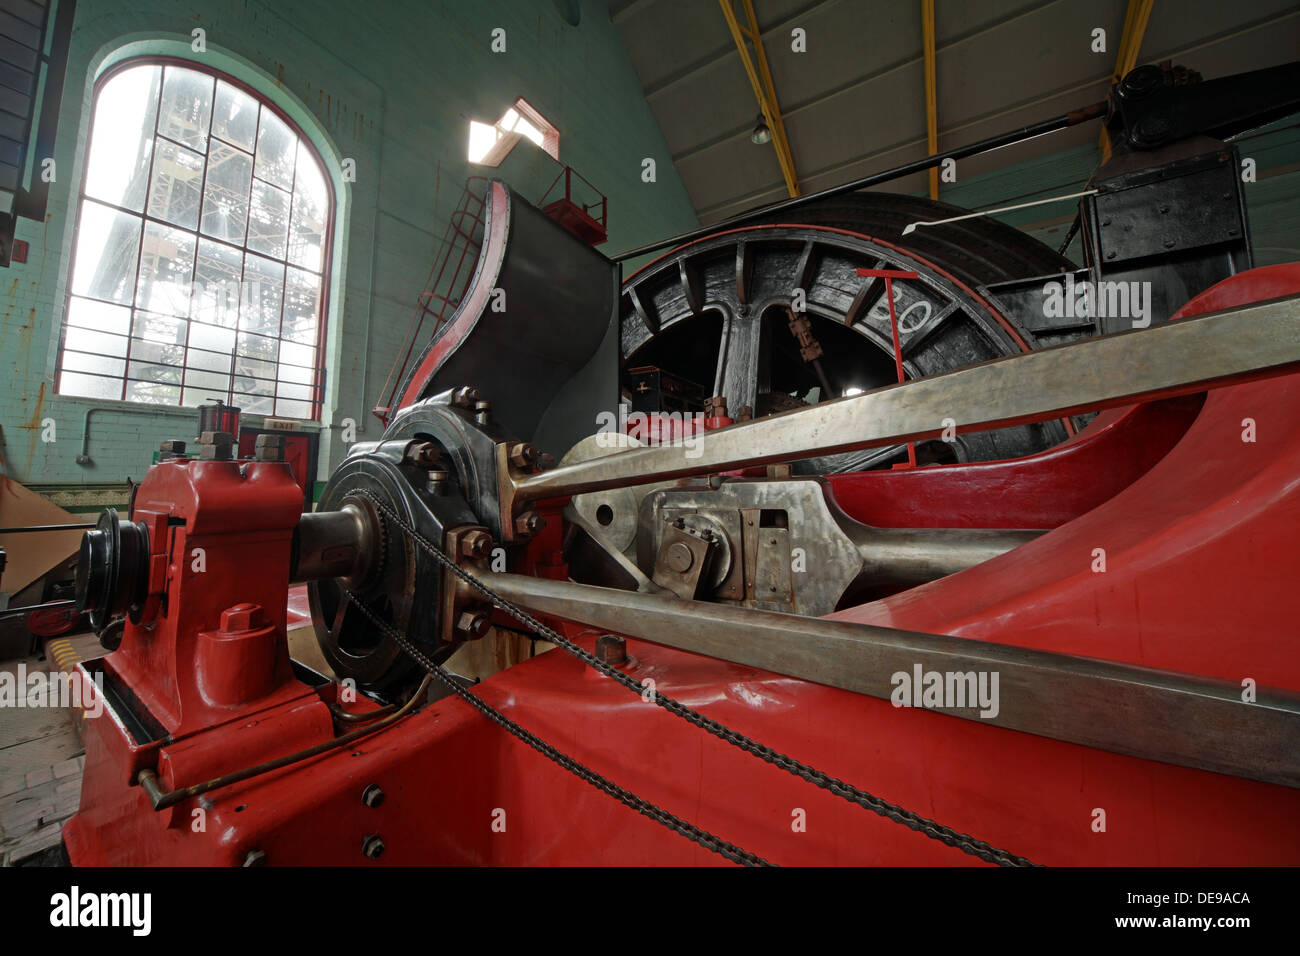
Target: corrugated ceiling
[[854, 103]]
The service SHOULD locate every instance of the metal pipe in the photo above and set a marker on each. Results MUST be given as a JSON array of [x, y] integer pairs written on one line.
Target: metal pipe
[[1064, 121], [905, 557], [46, 527], [160, 799], [1182, 719], [1179, 358], [20, 611]]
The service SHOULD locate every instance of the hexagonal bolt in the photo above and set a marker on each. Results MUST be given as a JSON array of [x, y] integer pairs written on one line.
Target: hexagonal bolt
[[523, 455], [529, 523], [423, 454], [473, 623], [172, 447], [269, 448], [223, 452], [216, 438], [466, 396], [483, 413], [372, 796], [372, 847], [475, 544], [611, 649]]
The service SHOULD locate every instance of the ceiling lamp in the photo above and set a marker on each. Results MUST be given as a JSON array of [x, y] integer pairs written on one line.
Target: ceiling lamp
[[761, 133]]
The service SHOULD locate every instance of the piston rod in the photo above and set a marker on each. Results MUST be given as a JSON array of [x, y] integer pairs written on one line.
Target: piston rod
[[1154, 714], [1219, 348]]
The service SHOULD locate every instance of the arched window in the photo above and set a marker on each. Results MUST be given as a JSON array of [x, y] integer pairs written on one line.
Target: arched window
[[201, 253]]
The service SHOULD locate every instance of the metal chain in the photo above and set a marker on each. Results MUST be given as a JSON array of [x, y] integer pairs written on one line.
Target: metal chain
[[703, 837], [913, 821]]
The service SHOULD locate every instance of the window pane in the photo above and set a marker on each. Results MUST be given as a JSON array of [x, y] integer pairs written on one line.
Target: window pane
[[96, 364], [186, 107], [108, 247], [217, 284], [225, 203], [301, 307], [210, 348], [268, 222], [177, 178], [276, 147], [310, 207], [90, 386], [293, 354], [155, 384], [294, 374], [263, 289], [294, 409], [256, 354], [200, 396], [95, 343], [235, 117], [166, 268], [160, 328], [117, 169], [89, 314]]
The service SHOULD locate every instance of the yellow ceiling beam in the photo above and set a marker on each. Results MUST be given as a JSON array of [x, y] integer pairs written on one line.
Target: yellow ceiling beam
[[760, 78], [1130, 44], [931, 91]]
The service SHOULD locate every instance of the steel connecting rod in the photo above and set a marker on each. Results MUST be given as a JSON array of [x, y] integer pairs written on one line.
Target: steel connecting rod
[[1191, 355], [1158, 715]]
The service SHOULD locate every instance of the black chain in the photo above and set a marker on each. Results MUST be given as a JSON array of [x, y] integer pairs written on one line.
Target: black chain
[[703, 837], [913, 821]]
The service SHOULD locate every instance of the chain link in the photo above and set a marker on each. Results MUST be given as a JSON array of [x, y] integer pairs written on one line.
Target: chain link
[[913, 821], [703, 837]]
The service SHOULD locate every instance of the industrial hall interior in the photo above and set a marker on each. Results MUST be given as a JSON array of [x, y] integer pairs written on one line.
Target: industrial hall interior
[[640, 433]]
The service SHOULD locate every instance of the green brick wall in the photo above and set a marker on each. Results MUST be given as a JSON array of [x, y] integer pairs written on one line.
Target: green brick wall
[[390, 85]]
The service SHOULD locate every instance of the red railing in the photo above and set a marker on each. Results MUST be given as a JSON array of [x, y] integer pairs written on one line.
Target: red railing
[[443, 291], [577, 216]]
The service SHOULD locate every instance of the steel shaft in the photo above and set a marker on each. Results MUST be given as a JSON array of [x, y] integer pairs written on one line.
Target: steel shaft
[[1190, 355]]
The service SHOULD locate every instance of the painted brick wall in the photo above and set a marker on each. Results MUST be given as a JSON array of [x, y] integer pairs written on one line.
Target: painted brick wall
[[391, 85]]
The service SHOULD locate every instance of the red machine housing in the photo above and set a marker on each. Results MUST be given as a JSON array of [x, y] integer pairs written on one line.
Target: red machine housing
[[1194, 502]]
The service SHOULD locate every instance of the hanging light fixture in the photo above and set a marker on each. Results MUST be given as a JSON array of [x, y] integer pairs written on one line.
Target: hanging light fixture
[[761, 133]]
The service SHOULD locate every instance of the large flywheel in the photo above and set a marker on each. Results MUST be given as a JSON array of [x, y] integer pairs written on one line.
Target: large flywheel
[[711, 319]]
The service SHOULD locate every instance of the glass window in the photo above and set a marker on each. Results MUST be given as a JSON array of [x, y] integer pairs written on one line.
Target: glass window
[[200, 257]]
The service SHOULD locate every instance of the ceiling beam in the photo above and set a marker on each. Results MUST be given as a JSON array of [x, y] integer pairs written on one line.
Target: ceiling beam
[[1130, 43], [931, 92], [760, 78]]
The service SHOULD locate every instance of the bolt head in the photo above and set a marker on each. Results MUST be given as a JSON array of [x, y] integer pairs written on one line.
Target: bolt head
[[523, 455], [372, 796], [475, 544], [372, 847], [423, 454], [612, 649], [529, 523], [473, 623], [241, 617], [466, 397]]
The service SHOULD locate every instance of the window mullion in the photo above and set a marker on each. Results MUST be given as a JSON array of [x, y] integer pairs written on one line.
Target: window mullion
[[198, 238], [139, 258]]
